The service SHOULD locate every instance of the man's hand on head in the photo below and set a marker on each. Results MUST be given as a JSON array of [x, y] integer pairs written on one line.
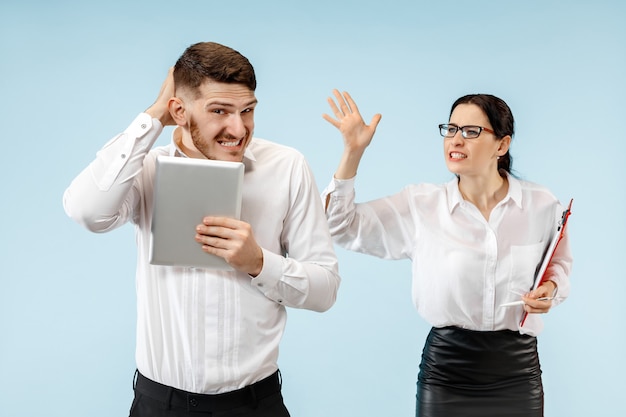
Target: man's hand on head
[[160, 108]]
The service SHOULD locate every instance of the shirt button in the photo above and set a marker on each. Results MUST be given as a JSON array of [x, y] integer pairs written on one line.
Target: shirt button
[[260, 284], [123, 156], [280, 301], [143, 125], [193, 402]]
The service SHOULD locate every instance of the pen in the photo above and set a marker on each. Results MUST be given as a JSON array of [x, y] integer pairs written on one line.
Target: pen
[[521, 303]]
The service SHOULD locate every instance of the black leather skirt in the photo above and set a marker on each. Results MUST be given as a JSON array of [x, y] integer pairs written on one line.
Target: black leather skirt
[[473, 373]]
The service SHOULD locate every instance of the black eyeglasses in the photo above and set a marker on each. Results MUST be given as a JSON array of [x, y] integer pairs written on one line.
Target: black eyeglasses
[[468, 132]]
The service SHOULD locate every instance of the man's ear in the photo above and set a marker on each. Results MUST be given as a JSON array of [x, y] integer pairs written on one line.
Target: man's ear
[[177, 109]]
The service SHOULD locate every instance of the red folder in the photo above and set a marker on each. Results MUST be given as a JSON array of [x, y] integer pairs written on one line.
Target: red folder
[[547, 258]]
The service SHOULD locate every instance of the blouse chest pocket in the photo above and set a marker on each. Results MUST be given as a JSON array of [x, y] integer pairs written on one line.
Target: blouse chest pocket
[[524, 265]]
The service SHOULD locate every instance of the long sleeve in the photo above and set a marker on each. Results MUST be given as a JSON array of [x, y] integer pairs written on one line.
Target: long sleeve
[[306, 274], [383, 228], [102, 197]]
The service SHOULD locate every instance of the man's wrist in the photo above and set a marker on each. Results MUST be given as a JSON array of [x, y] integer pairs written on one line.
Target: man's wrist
[[162, 115]]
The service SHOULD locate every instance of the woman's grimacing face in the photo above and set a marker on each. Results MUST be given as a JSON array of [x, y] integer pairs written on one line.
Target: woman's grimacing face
[[472, 157]]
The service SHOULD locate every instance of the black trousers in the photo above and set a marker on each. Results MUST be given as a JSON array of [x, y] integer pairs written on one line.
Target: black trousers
[[473, 373], [261, 399]]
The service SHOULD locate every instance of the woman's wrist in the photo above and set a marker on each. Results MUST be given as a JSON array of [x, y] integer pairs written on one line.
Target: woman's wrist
[[555, 290]]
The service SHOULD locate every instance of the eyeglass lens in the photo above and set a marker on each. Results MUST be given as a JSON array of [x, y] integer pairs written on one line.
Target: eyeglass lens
[[468, 132]]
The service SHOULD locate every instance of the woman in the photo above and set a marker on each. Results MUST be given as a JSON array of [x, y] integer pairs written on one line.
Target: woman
[[475, 244]]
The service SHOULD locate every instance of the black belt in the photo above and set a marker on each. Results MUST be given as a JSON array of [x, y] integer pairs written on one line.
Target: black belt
[[176, 398]]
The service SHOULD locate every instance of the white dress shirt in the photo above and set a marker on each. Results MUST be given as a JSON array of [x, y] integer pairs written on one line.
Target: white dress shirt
[[463, 266], [211, 331]]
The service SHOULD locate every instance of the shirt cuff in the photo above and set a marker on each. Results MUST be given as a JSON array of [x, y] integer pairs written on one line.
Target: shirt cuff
[[341, 187], [142, 125], [270, 275]]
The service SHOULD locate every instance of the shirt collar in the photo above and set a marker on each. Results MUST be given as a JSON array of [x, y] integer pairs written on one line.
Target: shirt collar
[[454, 194], [176, 151], [515, 190], [455, 198]]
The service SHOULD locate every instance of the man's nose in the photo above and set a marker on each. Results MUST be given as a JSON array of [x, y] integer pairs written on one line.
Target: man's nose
[[236, 126]]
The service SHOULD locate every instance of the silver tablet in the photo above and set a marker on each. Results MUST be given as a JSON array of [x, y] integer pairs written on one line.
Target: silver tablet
[[186, 190]]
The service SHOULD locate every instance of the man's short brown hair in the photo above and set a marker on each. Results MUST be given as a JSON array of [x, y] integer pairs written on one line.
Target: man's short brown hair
[[211, 61]]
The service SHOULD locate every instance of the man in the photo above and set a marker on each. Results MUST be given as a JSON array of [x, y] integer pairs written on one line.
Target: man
[[207, 340]]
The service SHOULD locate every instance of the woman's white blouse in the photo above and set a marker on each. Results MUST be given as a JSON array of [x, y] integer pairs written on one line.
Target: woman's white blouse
[[463, 265]]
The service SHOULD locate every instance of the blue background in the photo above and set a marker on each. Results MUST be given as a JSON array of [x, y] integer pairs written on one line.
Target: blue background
[[73, 74]]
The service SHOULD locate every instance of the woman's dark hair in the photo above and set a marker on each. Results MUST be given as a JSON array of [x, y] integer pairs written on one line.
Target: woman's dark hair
[[210, 60], [500, 117]]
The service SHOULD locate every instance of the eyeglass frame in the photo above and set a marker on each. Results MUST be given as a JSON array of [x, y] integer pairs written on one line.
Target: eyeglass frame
[[462, 129]]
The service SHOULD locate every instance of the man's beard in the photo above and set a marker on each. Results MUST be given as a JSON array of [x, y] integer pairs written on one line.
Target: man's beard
[[200, 142]]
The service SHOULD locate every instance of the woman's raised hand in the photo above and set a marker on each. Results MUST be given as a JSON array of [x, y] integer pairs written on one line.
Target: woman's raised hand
[[356, 134]]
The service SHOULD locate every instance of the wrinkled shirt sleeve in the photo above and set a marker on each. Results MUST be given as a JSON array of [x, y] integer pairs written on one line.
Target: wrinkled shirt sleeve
[[306, 276], [102, 197], [383, 227]]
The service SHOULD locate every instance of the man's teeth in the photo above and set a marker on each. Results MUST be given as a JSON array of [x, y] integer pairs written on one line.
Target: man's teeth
[[235, 143], [457, 155]]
